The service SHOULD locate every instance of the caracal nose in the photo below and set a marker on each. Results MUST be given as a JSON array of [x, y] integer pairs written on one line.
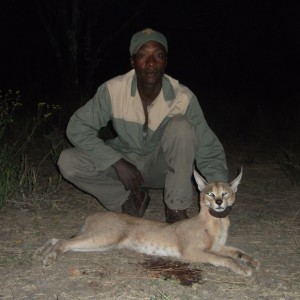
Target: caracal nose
[[219, 201]]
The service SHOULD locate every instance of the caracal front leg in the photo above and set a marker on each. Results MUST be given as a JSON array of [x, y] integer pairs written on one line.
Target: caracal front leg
[[219, 261], [240, 255]]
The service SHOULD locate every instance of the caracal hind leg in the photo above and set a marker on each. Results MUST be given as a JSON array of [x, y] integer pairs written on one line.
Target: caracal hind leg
[[80, 243], [46, 248], [240, 255], [219, 261]]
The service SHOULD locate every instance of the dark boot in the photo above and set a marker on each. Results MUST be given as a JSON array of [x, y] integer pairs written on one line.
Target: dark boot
[[137, 203], [173, 216]]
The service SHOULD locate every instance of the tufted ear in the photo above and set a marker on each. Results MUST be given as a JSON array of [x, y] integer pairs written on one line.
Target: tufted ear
[[234, 184], [201, 182]]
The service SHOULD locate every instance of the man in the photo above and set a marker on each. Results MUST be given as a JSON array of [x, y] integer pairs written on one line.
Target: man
[[161, 132]]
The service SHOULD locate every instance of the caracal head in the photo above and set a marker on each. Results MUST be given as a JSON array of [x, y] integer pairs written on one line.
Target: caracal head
[[218, 196]]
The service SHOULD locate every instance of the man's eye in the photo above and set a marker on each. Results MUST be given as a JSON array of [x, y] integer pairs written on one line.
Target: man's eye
[[141, 55], [160, 55]]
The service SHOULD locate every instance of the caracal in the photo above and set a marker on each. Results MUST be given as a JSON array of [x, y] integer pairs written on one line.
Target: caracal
[[200, 239]]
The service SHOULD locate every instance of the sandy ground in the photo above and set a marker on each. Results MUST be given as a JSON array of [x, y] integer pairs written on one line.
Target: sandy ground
[[265, 222]]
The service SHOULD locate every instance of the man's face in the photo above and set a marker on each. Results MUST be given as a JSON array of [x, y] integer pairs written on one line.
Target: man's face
[[149, 63]]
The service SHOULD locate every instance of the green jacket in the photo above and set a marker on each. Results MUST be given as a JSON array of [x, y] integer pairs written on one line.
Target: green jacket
[[118, 100]]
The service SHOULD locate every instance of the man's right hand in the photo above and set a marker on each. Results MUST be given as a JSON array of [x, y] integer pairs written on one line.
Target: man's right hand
[[128, 174]]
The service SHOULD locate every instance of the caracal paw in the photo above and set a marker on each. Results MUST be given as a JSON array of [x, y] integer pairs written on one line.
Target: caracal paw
[[49, 259], [247, 272], [38, 252], [255, 263]]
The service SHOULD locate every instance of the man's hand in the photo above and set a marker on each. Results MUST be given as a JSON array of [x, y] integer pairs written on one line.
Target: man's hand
[[129, 175]]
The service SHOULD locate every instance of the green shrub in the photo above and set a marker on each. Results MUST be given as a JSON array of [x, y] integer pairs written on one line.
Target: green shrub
[[289, 163], [9, 102], [18, 175]]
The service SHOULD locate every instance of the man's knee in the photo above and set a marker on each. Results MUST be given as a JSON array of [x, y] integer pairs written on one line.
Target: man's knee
[[66, 163], [180, 126]]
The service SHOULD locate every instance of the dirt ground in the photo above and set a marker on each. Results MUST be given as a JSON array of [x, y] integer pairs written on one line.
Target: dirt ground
[[265, 222]]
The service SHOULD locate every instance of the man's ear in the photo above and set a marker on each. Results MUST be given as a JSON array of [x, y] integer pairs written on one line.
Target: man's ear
[[132, 62]]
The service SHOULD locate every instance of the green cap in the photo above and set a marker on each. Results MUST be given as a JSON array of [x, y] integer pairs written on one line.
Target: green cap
[[146, 35]]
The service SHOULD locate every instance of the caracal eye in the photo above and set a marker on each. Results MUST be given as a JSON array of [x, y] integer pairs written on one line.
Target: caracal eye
[[224, 193], [211, 194]]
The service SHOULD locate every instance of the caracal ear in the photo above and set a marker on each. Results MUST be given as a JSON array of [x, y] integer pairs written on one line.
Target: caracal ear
[[234, 184], [200, 181]]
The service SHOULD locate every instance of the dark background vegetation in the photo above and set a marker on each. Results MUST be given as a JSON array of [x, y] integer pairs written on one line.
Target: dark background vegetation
[[241, 58]]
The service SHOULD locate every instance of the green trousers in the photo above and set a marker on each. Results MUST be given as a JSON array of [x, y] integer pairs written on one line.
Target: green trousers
[[168, 167]]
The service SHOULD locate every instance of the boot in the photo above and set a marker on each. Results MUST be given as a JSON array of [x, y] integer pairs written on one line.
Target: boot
[[173, 216], [137, 203]]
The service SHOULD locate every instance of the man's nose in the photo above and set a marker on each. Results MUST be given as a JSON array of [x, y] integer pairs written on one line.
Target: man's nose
[[151, 60]]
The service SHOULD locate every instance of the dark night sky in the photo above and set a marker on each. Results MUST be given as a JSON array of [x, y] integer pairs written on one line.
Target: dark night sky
[[229, 50]]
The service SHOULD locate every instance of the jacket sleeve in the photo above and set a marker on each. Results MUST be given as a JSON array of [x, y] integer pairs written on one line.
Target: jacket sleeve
[[84, 126], [210, 155]]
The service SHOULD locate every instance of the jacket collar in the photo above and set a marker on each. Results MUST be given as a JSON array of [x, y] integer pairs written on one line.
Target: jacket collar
[[167, 88]]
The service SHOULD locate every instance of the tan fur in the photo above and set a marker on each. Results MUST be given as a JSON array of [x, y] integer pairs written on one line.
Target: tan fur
[[200, 239]]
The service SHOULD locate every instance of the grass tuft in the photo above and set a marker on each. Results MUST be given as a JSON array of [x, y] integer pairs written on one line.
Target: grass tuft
[[18, 176]]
